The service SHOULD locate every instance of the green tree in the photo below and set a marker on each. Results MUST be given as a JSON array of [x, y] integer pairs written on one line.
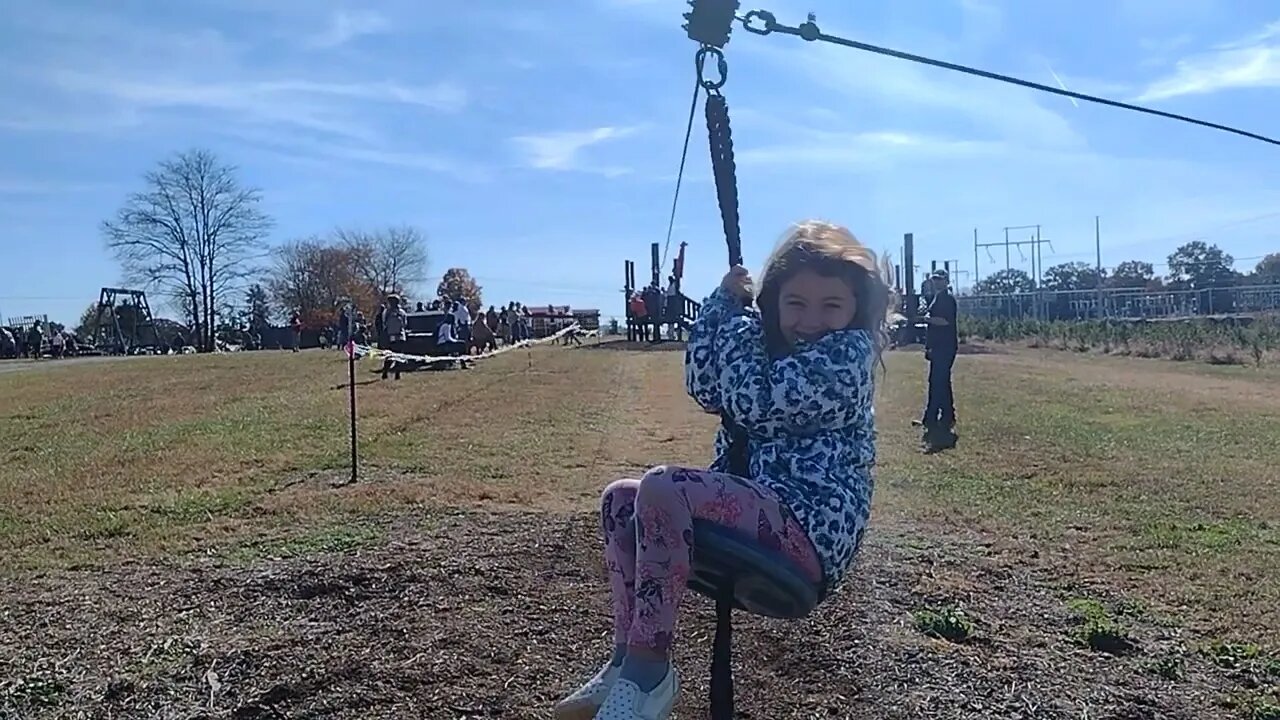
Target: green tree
[[1198, 265], [1131, 274], [1268, 270], [1005, 282], [1072, 276], [257, 307], [1206, 269]]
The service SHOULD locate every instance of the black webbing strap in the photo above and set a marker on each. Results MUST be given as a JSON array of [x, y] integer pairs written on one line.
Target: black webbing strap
[[724, 170], [722, 659]]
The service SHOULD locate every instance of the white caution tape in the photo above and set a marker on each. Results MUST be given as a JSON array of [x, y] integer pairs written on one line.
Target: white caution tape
[[362, 351]]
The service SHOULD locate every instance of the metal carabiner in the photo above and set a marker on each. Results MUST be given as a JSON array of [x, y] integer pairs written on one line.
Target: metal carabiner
[[770, 22], [722, 66]]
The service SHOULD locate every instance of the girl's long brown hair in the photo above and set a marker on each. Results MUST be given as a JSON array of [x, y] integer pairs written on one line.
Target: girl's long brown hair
[[831, 251]]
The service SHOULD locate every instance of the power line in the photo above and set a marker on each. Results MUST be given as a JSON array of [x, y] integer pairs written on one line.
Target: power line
[[809, 31]]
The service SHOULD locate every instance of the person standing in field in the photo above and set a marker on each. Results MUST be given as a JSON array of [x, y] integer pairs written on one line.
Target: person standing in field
[[482, 337], [395, 323], [295, 331], [639, 316], [380, 330], [35, 340], [942, 343], [462, 320]]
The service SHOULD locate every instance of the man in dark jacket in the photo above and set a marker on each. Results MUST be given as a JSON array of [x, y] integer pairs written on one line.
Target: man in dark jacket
[[941, 345], [380, 326]]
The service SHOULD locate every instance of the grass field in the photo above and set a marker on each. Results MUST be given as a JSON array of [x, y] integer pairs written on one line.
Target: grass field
[[177, 541]]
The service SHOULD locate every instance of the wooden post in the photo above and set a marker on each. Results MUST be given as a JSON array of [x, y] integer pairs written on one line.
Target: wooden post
[[629, 287], [909, 274]]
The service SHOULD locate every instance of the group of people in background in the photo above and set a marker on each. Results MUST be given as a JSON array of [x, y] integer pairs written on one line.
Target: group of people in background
[[35, 341], [458, 332], [652, 307], [510, 324]]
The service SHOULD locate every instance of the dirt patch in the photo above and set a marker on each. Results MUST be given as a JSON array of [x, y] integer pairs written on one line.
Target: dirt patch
[[496, 615], [637, 346]]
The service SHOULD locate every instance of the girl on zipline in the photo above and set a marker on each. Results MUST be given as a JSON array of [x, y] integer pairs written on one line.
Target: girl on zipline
[[798, 376]]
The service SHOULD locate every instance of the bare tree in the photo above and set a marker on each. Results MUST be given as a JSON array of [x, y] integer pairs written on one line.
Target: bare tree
[[311, 277], [193, 233], [392, 259]]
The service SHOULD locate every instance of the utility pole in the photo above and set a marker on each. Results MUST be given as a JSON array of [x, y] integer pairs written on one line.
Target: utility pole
[[976, 275], [1097, 244], [1035, 241], [951, 267], [954, 273]]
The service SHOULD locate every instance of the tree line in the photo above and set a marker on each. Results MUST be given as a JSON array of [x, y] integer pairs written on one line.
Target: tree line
[[1196, 265], [198, 237]]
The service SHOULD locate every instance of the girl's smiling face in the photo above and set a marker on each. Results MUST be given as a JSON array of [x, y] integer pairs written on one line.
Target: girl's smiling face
[[810, 305]]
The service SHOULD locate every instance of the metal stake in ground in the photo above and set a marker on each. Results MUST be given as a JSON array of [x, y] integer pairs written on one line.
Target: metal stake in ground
[[351, 379]]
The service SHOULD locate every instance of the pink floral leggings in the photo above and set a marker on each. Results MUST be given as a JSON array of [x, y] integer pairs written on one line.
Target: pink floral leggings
[[648, 535]]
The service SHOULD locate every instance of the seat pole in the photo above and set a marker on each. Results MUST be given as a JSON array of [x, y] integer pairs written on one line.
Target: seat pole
[[722, 657]]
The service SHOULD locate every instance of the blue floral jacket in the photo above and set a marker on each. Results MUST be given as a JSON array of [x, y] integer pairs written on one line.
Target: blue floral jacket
[[808, 417]]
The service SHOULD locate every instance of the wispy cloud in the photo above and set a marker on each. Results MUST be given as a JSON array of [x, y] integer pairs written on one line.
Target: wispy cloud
[[563, 150], [1248, 62], [862, 150], [346, 26], [195, 81], [1167, 15], [1158, 50], [809, 141], [315, 106], [444, 97], [982, 22], [413, 161], [890, 87], [20, 186], [46, 120], [330, 154]]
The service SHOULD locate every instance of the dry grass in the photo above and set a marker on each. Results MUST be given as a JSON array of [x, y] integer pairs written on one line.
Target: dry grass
[[176, 454], [1104, 541]]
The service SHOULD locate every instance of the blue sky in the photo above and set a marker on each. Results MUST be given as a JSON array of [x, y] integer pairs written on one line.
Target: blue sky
[[536, 143]]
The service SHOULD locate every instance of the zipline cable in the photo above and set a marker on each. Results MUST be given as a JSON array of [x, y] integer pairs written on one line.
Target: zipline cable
[[809, 31]]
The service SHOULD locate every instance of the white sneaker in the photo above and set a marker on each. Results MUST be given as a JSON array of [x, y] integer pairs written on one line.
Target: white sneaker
[[584, 701], [626, 701]]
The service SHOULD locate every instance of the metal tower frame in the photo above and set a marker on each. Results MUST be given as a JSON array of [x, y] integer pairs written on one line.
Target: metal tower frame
[[112, 335]]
